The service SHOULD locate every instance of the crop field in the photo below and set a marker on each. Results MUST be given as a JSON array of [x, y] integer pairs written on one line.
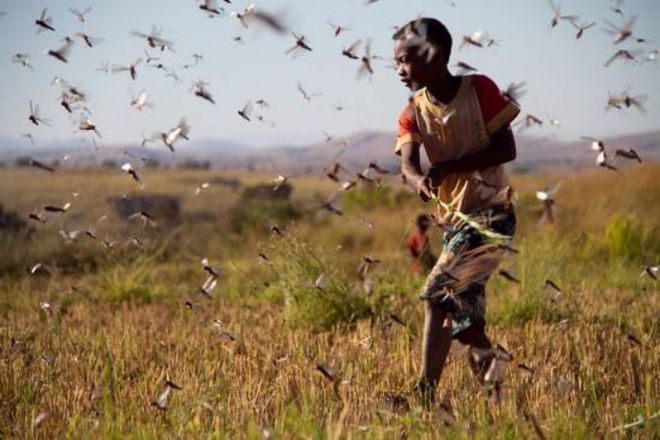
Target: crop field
[[98, 309]]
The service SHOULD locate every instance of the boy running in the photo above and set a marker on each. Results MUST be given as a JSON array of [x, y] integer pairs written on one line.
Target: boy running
[[463, 122]]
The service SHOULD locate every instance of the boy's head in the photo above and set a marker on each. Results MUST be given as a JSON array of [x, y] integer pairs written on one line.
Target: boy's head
[[421, 51], [423, 222]]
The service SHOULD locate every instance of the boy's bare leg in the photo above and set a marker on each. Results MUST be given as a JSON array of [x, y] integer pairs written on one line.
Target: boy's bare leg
[[478, 342], [435, 347]]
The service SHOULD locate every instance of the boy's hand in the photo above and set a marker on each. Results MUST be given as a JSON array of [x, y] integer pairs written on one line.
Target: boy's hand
[[438, 172], [424, 189]]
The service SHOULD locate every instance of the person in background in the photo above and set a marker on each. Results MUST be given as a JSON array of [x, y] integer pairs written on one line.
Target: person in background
[[419, 245]]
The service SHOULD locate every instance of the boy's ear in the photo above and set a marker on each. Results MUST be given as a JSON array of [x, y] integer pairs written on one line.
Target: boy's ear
[[431, 53], [438, 55]]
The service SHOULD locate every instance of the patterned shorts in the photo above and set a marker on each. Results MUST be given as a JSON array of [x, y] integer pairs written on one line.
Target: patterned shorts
[[467, 306]]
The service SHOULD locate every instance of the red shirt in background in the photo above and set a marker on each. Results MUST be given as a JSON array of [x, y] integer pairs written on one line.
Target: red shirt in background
[[418, 245]]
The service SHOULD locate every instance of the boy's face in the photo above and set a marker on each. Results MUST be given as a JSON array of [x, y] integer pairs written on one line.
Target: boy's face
[[414, 68]]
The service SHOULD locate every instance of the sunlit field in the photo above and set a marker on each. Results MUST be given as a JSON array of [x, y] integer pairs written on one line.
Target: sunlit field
[[90, 337]]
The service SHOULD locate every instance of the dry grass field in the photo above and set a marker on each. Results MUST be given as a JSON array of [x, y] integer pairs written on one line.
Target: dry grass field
[[87, 347]]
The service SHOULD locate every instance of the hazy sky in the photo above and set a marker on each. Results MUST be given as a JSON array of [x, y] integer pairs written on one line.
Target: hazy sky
[[565, 78]]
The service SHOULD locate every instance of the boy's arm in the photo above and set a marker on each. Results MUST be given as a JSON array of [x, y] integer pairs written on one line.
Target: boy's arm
[[502, 149], [411, 168]]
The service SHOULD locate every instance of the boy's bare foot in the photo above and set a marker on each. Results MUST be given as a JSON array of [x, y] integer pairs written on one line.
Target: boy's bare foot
[[424, 392]]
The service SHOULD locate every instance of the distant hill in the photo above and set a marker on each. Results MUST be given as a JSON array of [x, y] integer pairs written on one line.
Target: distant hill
[[357, 151], [534, 153], [87, 156]]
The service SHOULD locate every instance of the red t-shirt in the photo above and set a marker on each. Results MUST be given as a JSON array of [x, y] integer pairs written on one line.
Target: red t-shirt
[[416, 243]]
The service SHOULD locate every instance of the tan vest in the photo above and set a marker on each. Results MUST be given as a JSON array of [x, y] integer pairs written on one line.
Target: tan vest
[[453, 131]]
